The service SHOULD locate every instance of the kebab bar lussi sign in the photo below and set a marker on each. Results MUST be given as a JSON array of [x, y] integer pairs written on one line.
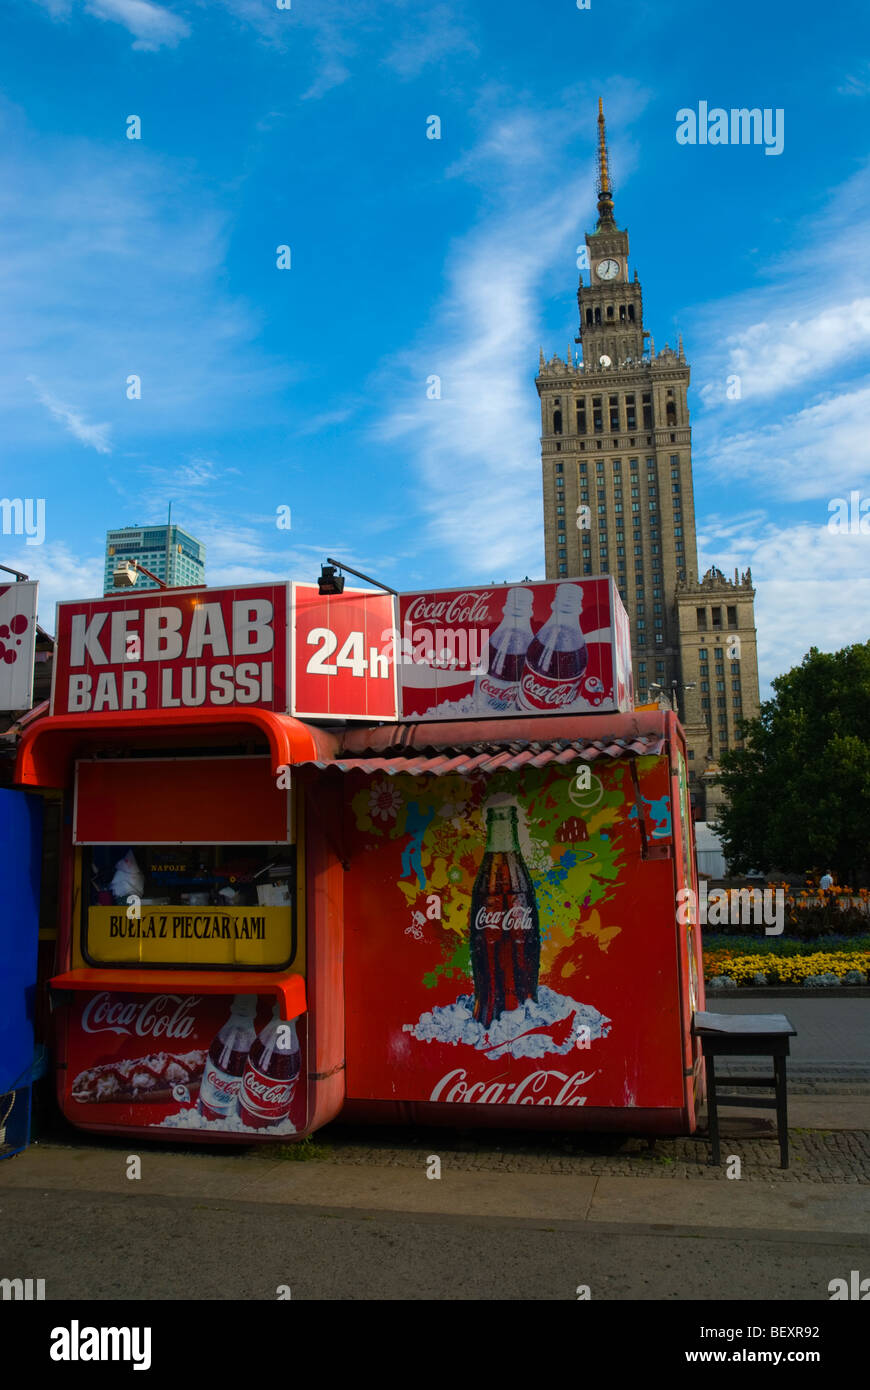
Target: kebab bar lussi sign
[[482, 653], [173, 649]]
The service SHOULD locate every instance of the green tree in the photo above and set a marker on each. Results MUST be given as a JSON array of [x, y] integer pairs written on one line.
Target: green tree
[[799, 790]]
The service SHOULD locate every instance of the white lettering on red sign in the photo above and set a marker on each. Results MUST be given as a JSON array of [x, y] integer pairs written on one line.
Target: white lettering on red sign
[[516, 918], [162, 640], [148, 1018], [462, 608], [535, 1089], [541, 693]]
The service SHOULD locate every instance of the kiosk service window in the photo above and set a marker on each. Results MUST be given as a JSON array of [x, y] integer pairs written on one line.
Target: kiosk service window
[[190, 906]]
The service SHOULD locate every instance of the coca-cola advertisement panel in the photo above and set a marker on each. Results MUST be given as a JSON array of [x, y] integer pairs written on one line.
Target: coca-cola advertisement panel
[[510, 940], [173, 649], [209, 1065], [492, 652]]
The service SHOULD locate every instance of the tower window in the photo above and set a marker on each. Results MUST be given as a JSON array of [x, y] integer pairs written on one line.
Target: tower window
[[597, 418], [588, 318], [610, 311], [557, 422], [671, 413], [646, 402], [597, 313], [701, 614], [581, 416], [631, 313], [560, 467], [614, 414], [630, 413], [732, 616], [622, 313]]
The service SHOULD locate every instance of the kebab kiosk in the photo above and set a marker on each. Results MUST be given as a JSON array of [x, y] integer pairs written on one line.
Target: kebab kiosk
[[322, 857]]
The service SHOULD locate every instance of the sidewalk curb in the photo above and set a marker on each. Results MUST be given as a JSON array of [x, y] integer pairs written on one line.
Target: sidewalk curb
[[587, 1200]]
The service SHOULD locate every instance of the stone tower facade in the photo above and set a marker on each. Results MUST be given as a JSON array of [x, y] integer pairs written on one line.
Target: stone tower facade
[[616, 453]]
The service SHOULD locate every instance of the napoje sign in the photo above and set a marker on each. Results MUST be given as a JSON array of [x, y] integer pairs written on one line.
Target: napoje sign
[[172, 649]]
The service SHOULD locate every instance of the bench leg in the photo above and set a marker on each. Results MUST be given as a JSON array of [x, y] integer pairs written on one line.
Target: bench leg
[[712, 1109], [779, 1073]]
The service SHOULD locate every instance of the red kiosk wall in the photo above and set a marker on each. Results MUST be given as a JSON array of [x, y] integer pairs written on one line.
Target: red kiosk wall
[[611, 960], [321, 1028]]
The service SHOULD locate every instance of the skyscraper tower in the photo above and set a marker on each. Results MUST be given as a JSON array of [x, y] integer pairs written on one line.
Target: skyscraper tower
[[616, 453]]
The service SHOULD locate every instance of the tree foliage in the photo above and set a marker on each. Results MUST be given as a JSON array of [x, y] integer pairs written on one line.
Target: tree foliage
[[799, 790]]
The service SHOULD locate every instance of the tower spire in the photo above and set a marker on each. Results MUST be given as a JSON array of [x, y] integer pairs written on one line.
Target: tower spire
[[605, 192]]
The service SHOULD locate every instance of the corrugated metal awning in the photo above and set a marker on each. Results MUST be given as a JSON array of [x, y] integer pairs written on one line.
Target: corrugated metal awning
[[496, 757]]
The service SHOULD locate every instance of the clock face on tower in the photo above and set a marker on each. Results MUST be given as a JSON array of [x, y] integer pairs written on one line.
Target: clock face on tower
[[607, 270]]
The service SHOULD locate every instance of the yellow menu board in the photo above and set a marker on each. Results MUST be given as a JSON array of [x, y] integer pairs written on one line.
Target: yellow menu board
[[192, 936]]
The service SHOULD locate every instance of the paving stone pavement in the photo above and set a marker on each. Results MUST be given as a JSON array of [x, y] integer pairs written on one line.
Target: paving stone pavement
[[815, 1155]]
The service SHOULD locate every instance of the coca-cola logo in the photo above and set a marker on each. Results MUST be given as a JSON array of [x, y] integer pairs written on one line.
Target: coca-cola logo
[[498, 692], [538, 1088], [516, 918], [147, 1018], [219, 1081], [461, 608], [265, 1094], [549, 695]]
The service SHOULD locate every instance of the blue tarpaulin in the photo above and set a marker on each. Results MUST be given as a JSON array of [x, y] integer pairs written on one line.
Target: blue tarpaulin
[[20, 863]]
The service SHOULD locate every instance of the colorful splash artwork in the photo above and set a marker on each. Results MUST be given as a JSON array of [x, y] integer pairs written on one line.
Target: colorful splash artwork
[[507, 941]]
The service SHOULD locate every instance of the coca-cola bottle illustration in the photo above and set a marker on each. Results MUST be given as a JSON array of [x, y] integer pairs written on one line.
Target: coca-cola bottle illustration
[[496, 687], [226, 1059], [271, 1073], [505, 933], [557, 656]]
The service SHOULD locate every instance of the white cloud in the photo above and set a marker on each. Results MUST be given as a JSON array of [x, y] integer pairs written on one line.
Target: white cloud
[[816, 452], [437, 34], [812, 585], [95, 288], [771, 358], [95, 436], [332, 73], [324, 421], [153, 26], [856, 84], [62, 574]]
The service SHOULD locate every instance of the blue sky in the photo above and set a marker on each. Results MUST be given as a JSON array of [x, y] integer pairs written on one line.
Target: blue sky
[[414, 257]]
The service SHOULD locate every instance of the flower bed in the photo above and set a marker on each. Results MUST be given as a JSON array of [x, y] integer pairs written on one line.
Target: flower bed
[[811, 914], [782, 967]]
